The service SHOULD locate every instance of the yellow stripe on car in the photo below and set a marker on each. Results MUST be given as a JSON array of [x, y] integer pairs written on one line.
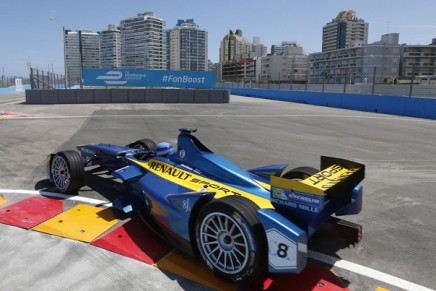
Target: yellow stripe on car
[[196, 182]]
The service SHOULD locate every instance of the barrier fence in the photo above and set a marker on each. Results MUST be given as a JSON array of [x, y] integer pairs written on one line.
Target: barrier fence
[[417, 90], [46, 80]]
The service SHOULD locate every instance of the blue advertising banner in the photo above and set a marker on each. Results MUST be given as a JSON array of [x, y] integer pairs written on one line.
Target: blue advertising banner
[[148, 78]]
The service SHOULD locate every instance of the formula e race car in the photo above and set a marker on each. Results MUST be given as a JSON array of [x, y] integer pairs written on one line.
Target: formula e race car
[[240, 222]]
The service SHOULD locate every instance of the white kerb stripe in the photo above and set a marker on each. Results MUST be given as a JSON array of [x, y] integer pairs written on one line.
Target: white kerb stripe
[[58, 195]]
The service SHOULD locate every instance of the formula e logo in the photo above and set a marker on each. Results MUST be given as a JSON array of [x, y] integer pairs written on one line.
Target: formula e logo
[[112, 78]]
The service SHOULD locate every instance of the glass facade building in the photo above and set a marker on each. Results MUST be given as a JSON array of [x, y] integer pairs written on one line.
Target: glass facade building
[[143, 42], [110, 48], [82, 50], [187, 47]]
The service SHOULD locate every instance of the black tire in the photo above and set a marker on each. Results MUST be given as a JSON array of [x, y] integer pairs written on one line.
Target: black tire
[[144, 144], [231, 240], [67, 171], [300, 173]]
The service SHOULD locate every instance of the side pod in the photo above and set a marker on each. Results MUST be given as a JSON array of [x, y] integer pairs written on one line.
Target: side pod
[[287, 243]]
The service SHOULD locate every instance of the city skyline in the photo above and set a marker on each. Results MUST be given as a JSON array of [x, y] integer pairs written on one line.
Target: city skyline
[[34, 30]]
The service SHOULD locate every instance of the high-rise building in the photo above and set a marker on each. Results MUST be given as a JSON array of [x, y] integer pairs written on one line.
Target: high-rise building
[[82, 50], [259, 48], [187, 47], [143, 44], [345, 31], [110, 48], [234, 47]]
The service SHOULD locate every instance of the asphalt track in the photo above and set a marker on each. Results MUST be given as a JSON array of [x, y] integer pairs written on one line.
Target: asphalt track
[[397, 251]]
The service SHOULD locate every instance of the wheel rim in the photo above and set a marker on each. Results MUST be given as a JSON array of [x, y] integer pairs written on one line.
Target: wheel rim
[[60, 172], [224, 243]]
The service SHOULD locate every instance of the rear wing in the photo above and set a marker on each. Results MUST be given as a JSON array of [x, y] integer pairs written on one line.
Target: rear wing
[[336, 178], [305, 202]]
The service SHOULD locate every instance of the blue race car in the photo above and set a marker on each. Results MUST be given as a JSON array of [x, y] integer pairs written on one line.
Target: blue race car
[[240, 222]]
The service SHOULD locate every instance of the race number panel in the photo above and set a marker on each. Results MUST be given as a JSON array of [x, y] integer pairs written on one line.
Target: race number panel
[[282, 250]]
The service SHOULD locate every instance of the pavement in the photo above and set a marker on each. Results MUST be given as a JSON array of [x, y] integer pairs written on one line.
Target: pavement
[[397, 251]]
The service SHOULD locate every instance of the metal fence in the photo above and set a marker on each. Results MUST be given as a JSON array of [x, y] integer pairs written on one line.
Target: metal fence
[[416, 90], [46, 80]]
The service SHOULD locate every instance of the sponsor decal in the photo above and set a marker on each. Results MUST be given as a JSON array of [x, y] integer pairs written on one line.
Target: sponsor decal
[[112, 78], [182, 154], [149, 78], [301, 201], [186, 205], [329, 177], [183, 79], [298, 197], [169, 170], [194, 182]]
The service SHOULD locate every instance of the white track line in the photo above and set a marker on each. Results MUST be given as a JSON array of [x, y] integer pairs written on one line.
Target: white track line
[[381, 117], [349, 266], [58, 195], [367, 272]]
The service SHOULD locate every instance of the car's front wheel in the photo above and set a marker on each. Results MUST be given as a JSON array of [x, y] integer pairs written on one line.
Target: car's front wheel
[[67, 171], [231, 239]]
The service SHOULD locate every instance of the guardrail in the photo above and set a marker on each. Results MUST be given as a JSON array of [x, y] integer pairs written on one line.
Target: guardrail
[[417, 90], [397, 105]]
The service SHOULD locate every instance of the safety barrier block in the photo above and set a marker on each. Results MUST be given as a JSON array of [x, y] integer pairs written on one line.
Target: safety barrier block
[[201, 96], [85, 96], [30, 212], [136, 95], [170, 96], [102, 96], [50, 96], [120, 95], [82, 222], [135, 240], [219, 96], [153, 96], [186, 96], [68, 96]]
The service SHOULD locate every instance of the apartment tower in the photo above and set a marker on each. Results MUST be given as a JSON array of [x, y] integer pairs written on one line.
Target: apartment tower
[[110, 48], [82, 50], [345, 31], [187, 47], [143, 44]]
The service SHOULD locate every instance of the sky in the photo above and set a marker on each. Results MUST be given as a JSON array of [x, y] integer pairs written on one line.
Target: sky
[[31, 30]]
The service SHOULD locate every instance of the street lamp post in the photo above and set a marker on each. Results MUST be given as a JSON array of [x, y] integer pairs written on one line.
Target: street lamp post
[[326, 75], [81, 58]]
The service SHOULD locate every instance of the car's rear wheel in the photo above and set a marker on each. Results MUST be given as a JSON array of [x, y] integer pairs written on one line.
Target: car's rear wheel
[[144, 144], [231, 239], [300, 173], [67, 171]]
